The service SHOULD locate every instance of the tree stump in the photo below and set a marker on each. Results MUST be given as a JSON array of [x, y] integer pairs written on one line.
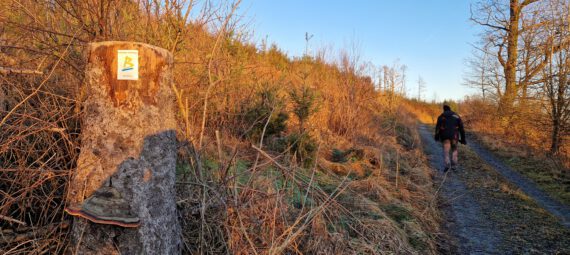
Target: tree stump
[[128, 142]]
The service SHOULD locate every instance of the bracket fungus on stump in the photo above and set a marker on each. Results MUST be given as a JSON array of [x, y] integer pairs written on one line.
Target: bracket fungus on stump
[[106, 206], [125, 173]]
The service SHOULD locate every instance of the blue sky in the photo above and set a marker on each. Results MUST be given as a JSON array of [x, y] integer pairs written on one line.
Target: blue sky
[[431, 37]]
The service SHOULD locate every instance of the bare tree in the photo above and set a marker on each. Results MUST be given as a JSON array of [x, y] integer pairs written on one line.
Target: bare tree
[[308, 37], [485, 72], [502, 23], [421, 87], [394, 81], [556, 75], [403, 69], [530, 40]]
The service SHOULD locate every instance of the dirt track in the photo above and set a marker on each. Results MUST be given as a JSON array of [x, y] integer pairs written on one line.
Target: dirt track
[[490, 209]]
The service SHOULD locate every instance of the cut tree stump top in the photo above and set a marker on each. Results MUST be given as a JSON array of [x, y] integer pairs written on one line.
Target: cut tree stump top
[[151, 60]]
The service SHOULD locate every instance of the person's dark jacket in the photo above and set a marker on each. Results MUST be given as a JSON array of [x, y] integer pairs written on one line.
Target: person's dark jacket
[[449, 126]]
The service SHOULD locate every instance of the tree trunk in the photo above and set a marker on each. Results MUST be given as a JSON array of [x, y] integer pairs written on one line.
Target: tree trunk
[[555, 142], [128, 141], [510, 69], [559, 109]]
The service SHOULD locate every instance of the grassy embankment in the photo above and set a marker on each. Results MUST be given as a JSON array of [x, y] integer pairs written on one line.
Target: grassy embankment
[[368, 196]]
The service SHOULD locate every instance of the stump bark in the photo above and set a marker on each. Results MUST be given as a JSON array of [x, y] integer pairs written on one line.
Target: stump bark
[[128, 141]]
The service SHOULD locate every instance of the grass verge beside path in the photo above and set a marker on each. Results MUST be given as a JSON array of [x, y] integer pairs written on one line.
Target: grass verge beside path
[[527, 228], [549, 175]]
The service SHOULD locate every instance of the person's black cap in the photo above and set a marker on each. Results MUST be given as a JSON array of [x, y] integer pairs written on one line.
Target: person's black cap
[[446, 107]]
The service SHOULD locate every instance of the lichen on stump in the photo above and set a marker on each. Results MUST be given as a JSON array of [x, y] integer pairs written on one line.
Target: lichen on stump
[[128, 141]]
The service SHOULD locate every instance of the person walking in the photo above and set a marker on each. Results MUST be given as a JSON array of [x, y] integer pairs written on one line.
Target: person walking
[[449, 130]]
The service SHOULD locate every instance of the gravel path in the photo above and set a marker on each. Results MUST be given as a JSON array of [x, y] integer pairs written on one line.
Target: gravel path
[[465, 219]]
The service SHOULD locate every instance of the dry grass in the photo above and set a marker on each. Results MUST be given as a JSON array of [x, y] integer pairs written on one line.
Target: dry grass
[[523, 144], [526, 133], [38, 148], [265, 203]]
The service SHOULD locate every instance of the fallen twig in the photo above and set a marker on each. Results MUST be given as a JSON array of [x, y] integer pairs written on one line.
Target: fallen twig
[[7, 70], [10, 219]]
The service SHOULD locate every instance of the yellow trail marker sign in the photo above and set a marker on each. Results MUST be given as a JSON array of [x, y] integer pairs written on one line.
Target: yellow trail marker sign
[[127, 64]]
